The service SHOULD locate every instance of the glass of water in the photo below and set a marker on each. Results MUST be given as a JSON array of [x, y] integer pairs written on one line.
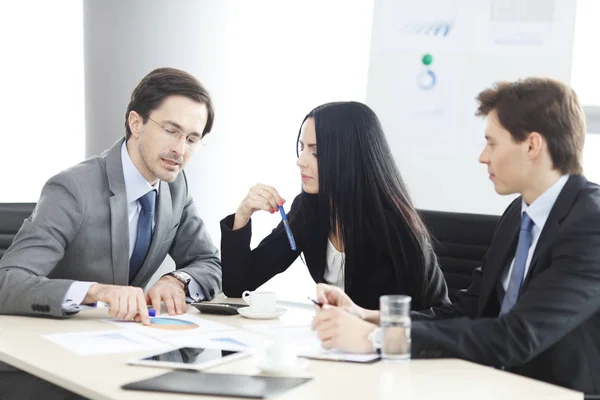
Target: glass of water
[[395, 324]]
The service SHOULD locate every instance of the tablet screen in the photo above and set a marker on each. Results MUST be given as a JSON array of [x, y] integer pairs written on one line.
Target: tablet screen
[[190, 355]]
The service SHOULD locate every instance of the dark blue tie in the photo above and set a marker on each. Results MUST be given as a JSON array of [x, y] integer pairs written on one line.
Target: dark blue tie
[[518, 270], [144, 233]]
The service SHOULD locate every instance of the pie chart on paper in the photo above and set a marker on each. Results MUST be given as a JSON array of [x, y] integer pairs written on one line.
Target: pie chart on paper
[[171, 324]]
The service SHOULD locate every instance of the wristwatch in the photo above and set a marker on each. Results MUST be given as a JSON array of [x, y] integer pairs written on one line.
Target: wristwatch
[[376, 338], [182, 277]]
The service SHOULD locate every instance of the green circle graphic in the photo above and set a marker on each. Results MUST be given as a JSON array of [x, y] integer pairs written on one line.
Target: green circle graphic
[[427, 59]]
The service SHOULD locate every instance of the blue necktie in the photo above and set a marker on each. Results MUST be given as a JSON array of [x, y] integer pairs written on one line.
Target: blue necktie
[[518, 270], [144, 233]]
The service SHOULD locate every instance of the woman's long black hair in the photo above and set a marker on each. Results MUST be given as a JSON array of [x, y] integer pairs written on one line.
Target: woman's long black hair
[[362, 192]]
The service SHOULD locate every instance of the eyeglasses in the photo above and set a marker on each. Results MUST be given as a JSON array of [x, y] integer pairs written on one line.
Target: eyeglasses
[[191, 141]]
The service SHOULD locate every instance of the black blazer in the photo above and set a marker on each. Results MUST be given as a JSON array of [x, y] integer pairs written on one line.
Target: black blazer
[[246, 270], [553, 332]]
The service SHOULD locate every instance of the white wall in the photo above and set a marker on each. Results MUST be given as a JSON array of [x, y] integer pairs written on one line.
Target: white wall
[[586, 81], [41, 82], [586, 63]]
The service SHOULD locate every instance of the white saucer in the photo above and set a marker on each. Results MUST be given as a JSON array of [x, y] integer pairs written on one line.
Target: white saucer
[[299, 366], [246, 312]]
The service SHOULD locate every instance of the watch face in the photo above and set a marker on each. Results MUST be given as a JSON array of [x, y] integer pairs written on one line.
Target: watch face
[[182, 277]]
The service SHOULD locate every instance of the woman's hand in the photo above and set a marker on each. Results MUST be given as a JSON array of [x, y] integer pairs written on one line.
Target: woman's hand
[[260, 197], [334, 296]]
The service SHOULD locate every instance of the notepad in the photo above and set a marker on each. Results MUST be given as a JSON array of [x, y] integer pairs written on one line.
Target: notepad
[[308, 344], [336, 355], [230, 385]]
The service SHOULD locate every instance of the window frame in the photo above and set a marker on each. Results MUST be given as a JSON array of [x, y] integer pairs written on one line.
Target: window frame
[[592, 119]]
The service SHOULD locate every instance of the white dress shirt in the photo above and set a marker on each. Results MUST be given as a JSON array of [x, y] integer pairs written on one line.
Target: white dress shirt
[[136, 186], [538, 211], [336, 264]]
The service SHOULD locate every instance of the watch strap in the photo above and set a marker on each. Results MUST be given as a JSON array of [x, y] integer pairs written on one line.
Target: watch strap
[[182, 277]]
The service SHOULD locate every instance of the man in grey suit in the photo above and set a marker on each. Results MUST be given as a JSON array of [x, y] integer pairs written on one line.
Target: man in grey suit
[[103, 227]]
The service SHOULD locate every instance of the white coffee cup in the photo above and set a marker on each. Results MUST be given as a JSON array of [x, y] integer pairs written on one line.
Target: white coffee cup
[[281, 355], [260, 302]]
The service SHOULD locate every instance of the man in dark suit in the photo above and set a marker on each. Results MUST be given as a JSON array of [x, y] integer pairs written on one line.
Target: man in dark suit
[[102, 228], [533, 307]]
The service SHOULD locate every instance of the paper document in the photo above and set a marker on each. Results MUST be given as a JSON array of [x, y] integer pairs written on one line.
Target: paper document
[[165, 325], [522, 22], [307, 343], [91, 343]]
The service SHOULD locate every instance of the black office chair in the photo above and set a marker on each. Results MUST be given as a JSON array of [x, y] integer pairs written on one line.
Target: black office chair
[[460, 242], [12, 216]]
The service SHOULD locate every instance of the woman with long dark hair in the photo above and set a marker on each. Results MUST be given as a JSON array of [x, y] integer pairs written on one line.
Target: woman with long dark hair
[[354, 221]]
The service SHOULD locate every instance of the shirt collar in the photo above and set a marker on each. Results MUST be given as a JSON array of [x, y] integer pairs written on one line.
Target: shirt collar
[[540, 209], [135, 184]]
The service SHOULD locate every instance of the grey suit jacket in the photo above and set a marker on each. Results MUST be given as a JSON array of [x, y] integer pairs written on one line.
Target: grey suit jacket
[[79, 232]]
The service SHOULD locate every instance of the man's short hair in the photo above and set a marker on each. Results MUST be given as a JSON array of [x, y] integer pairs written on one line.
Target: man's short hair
[[161, 83], [541, 105]]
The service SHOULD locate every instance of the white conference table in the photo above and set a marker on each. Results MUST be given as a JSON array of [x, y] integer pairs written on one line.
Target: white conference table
[[100, 377]]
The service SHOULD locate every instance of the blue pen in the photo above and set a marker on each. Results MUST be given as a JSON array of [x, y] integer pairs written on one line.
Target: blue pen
[[286, 224], [99, 304]]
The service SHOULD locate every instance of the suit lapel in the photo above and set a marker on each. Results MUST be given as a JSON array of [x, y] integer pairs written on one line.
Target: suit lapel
[[119, 220], [312, 227], [559, 211], [316, 258], [165, 211], [500, 253]]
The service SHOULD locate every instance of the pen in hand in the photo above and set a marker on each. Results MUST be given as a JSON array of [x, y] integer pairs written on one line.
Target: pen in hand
[[286, 225], [100, 304], [316, 302]]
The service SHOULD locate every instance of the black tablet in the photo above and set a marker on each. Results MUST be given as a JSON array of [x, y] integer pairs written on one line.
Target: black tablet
[[230, 385], [218, 308]]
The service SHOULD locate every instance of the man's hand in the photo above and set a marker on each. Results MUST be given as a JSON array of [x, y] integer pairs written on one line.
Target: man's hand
[[124, 302], [341, 330], [171, 291]]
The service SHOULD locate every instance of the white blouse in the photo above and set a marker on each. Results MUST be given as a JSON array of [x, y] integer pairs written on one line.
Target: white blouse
[[334, 272]]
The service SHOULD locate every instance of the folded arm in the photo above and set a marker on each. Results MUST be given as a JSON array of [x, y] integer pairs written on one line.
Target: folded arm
[[245, 269]]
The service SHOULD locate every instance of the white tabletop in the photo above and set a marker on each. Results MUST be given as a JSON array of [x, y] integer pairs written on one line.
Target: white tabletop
[[100, 377]]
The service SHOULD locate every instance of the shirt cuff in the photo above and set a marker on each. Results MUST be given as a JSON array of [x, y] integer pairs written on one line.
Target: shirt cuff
[[75, 296], [194, 291]]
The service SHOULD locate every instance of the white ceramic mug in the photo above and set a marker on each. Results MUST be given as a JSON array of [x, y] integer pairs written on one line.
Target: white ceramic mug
[[281, 355], [260, 302]]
